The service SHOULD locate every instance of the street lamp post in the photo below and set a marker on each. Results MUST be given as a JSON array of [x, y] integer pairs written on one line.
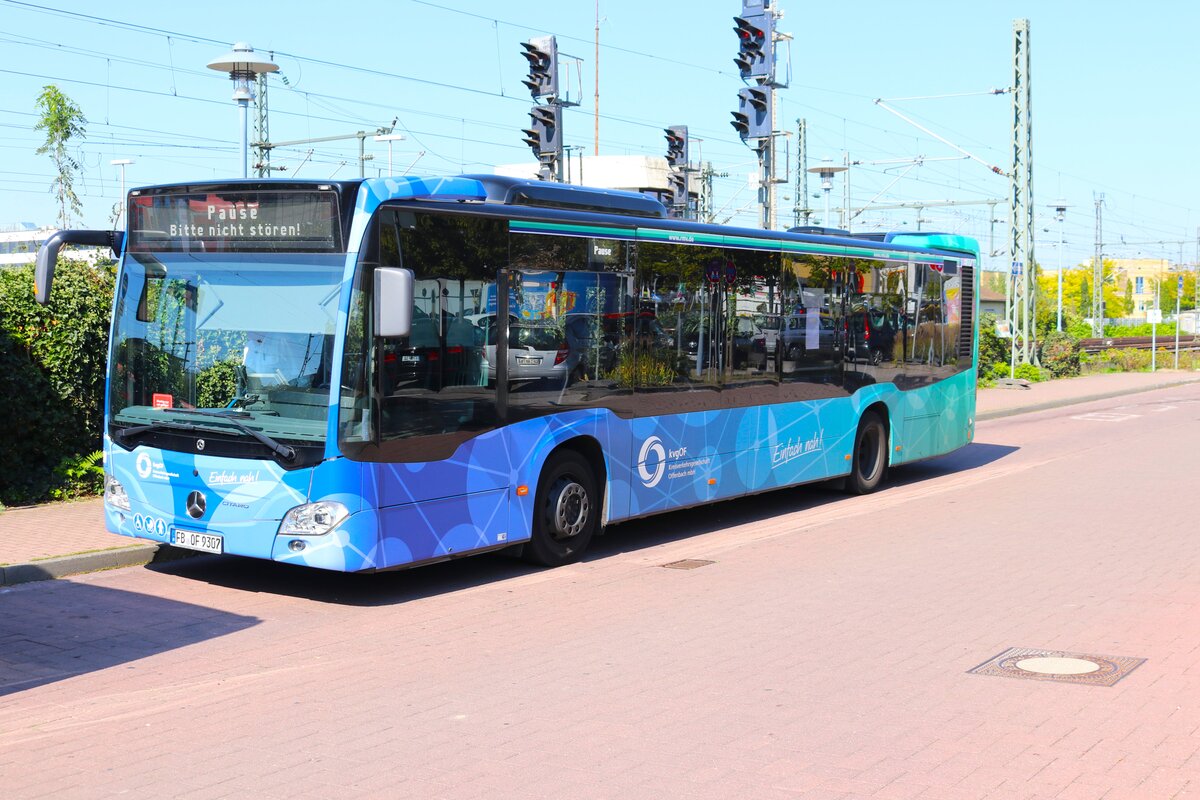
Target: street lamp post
[[243, 66], [122, 163], [1060, 216], [389, 138], [827, 170]]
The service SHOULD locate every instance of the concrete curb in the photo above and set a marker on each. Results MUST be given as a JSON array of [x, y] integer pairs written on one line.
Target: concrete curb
[[1071, 401], [62, 566]]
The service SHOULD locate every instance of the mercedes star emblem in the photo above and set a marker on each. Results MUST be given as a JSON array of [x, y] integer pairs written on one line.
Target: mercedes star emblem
[[199, 444], [195, 505]]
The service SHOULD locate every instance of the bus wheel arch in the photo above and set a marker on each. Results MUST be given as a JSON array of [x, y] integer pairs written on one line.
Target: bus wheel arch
[[870, 457], [568, 503]]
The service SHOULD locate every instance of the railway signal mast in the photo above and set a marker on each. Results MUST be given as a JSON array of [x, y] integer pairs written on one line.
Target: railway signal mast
[[544, 134], [678, 200], [755, 118]]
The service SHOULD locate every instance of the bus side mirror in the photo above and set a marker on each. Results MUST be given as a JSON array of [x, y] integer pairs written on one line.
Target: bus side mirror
[[393, 301], [47, 255], [43, 271]]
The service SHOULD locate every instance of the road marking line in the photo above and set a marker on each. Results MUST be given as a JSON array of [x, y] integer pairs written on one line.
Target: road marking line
[[1102, 416]]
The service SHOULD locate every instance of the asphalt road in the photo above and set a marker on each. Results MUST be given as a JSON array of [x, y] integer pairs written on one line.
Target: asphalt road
[[824, 652]]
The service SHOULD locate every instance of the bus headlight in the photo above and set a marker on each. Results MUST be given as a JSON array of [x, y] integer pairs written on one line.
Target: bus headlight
[[114, 494], [313, 519]]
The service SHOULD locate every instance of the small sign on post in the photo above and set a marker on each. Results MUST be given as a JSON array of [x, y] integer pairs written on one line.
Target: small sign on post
[[1154, 316], [1003, 329]]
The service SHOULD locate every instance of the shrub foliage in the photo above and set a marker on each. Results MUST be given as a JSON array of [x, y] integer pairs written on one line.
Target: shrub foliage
[[52, 362]]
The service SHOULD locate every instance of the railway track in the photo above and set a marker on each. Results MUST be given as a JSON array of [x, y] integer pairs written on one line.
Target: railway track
[[1186, 342]]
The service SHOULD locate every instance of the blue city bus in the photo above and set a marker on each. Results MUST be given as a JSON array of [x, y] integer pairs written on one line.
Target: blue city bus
[[374, 374]]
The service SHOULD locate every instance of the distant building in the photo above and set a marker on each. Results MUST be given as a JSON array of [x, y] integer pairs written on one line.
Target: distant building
[[1138, 278], [991, 300], [19, 244]]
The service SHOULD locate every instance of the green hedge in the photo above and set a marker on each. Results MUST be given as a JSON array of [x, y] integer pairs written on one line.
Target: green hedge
[[52, 361]]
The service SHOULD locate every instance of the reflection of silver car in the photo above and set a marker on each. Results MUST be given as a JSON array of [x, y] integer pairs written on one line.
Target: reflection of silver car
[[535, 352], [797, 338]]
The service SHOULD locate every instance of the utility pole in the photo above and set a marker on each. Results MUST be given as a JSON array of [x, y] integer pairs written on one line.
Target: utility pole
[[1021, 298], [262, 134], [1098, 271], [706, 212], [802, 212]]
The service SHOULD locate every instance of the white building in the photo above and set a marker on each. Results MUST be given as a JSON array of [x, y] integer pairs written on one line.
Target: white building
[[19, 244], [631, 173]]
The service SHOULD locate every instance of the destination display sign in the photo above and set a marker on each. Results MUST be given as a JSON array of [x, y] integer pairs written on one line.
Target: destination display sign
[[235, 221]]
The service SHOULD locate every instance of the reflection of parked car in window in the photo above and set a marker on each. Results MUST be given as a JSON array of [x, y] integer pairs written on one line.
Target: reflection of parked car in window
[[795, 337], [872, 336], [421, 361], [535, 352], [742, 336]]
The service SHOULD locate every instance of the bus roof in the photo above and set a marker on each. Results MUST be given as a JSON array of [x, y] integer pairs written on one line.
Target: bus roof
[[547, 200]]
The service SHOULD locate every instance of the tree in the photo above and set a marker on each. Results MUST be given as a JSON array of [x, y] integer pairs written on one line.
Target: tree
[[62, 121]]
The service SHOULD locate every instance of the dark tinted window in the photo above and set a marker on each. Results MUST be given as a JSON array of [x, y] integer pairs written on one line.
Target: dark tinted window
[[435, 380]]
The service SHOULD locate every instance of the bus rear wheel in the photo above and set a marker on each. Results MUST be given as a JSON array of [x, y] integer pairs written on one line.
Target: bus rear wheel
[[566, 511], [870, 455]]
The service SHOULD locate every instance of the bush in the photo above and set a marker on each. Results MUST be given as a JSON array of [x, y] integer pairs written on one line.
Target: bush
[[1060, 355], [1128, 360], [1078, 329], [79, 476], [52, 364], [651, 369], [1145, 329], [992, 349], [217, 384], [1030, 373]]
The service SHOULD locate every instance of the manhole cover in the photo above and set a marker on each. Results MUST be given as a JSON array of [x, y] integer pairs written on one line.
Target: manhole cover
[[1046, 665], [688, 563], [1054, 665]]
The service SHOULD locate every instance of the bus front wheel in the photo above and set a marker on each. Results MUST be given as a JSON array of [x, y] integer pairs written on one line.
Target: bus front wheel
[[870, 455], [566, 511]]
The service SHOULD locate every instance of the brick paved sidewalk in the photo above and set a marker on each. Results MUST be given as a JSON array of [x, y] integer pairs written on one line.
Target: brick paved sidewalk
[[58, 539], [998, 402]]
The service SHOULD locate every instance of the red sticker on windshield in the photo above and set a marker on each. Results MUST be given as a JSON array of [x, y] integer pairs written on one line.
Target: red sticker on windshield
[[162, 400]]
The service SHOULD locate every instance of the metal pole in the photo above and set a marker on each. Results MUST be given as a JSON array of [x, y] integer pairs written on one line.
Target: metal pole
[[1154, 326], [1098, 272], [244, 120], [1061, 244], [845, 217], [1178, 300]]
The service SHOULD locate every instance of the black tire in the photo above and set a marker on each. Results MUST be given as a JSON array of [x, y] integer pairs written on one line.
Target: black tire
[[870, 455], [566, 511]]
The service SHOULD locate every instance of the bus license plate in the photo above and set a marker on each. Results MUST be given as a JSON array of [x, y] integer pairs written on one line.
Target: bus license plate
[[194, 540], [528, 362]]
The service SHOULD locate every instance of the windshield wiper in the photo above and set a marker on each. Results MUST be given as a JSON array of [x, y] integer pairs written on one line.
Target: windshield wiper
[[133, 430], [286, 452]]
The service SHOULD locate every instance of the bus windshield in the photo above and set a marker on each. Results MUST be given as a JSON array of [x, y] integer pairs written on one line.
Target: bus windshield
[[250, 337]]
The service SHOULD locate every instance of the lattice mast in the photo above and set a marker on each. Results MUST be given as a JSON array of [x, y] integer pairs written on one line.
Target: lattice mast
[[1021, 297]]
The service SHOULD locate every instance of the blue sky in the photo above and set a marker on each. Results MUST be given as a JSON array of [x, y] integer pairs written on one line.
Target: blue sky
[[1114, 99]]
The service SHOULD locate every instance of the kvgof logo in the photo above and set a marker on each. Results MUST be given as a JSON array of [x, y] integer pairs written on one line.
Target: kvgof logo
[[651, 473]]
